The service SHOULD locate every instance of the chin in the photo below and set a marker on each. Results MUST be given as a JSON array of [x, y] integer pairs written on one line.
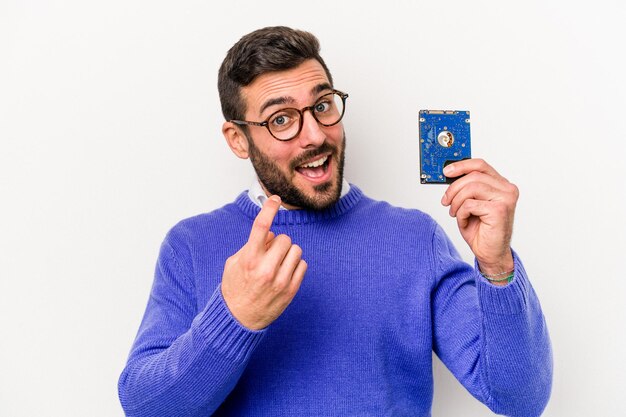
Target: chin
[[323, 195]]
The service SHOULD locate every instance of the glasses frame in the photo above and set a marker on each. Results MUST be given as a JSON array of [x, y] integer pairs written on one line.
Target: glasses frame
[[301, 111]]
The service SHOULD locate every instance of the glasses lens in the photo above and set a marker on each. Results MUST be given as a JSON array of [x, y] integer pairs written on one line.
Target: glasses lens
[[284, 124], [329, 109]]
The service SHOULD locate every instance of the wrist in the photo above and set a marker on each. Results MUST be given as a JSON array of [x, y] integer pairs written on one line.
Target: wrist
[[497, 268], [499, 273]]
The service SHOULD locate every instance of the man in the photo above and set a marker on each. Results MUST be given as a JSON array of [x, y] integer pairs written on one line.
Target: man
[[238, 323]]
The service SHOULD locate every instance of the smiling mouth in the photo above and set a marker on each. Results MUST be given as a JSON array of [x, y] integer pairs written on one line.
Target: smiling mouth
[[316, 168]]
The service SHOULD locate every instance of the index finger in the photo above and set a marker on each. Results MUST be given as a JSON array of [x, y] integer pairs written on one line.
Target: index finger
[[263, 222]]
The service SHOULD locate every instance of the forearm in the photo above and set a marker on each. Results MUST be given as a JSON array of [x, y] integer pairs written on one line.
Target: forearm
[[492, 338], [195, 373], [517, 356]]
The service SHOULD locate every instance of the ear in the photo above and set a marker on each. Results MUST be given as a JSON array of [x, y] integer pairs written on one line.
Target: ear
[[236, 140]]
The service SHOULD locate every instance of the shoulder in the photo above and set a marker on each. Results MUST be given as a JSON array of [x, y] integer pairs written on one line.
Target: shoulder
[[386, 211], [207, 225], [390, 219]]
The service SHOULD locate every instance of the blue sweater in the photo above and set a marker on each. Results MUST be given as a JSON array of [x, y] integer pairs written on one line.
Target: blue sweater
[[384, 288]]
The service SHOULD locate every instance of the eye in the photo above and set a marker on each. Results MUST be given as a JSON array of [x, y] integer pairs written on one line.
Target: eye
[[280, 119], [322, 106]]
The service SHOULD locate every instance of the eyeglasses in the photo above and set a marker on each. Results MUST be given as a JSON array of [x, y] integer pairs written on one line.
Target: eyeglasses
[[286, 124]]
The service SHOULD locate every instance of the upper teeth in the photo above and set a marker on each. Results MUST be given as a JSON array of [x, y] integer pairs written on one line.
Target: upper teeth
[[315, 163]]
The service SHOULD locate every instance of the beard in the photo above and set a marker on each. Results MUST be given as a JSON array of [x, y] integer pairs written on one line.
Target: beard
[[276, 182]]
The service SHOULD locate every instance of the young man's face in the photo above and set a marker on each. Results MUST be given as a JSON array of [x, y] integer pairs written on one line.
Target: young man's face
[[289, 168]]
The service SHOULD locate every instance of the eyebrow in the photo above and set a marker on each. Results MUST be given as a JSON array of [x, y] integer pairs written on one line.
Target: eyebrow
[[289, 100], [320, 87], [274, 102]]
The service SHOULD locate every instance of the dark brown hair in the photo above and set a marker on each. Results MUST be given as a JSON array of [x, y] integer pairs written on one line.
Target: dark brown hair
[[265, 50]]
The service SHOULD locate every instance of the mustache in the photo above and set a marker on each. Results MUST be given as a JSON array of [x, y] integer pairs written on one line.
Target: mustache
[[308, 155]]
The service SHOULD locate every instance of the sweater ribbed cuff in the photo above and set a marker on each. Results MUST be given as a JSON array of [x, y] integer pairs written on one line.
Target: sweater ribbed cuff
[[224, 332], [509, 299]]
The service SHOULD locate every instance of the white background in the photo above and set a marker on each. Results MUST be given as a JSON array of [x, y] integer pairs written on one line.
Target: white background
[[110, 134]]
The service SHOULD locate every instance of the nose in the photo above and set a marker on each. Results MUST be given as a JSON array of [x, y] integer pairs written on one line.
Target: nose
[[311, 135]]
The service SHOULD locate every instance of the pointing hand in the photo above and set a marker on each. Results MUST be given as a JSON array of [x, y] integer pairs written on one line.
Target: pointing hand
[[261, 279]]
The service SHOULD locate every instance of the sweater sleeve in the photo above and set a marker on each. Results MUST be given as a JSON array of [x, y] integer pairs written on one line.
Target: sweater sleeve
[[493, 339], [183, 362]]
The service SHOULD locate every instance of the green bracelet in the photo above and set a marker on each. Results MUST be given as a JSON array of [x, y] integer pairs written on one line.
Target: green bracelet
[[507, 279]]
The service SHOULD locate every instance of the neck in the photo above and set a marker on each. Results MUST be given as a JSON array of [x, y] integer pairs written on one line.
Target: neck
[[252, 207]]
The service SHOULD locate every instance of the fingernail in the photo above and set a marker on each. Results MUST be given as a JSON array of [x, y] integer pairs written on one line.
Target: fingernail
[[275, 198], [448, 170]]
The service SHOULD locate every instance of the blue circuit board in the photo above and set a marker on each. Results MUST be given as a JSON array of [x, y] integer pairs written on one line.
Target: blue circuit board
[[444, 138]]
